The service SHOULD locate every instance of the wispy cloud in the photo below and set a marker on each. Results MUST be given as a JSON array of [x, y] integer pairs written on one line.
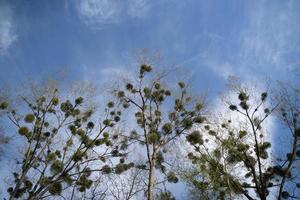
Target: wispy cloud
[[98, 13], [94, 12], [139, 8], [270, 36], [119, 72], [266, 41], [7, 28], [240, 122]]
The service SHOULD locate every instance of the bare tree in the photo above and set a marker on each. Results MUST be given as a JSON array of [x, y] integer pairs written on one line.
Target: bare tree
[[63, 144], [233, 153], [4, 139], [288, 167], [158, 123], [129, 185]]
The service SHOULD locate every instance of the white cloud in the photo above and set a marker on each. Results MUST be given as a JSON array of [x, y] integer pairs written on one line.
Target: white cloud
[[270, 35], [239, 121], [267, 42], [98, 13], [7, 28], [139, 8], [220, 113], [118, 72]]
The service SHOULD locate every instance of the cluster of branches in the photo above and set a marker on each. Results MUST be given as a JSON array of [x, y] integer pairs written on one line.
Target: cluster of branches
[[233, 158], [69, 153], [63, 146]]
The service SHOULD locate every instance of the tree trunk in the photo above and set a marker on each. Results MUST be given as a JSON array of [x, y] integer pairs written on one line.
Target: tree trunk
[[151, 183], [263, 197]]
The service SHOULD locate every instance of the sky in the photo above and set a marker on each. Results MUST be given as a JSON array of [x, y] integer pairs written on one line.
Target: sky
[[95, 40]]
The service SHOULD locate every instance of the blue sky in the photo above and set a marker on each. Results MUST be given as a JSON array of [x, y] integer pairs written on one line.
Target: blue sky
[[95, 39], [209, 39]]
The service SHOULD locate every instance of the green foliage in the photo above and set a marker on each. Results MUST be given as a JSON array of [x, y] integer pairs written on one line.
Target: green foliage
[[160, 160], [19, 193], [107, 122], [199, 120], [47, 134], [244, 105], [110, 104], [121, 167], [167, 195], [153, 137], [108, 143], [4, 105], [219, 149], [167, 128], [157, 86], [46, 124], [237, 149], [29, 118], [105, 134], [58, 153], [298, 153], [10, 190], [53, 156], [23, 130], [217, 153], [28, 184], [66, 106], [99, 142], [181, 84], [75, 112], [69, 142], [81, 132], [84, 183], [78, 155], [145, 68], [57, 166], [285, 195], [168, 93], [212, 132], [120, 94], [90, 125], [243, 96], [233, 107], [75, 120], [199, 106], [188, 123], [55, 188], [129, 86], [242, 134], [264, 96], [172, 178], [157, 125], [106, 169], [195, 138], [50, 157], [297, 132], [55, 101], [79, 100], [267, 110], [117, 118]]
